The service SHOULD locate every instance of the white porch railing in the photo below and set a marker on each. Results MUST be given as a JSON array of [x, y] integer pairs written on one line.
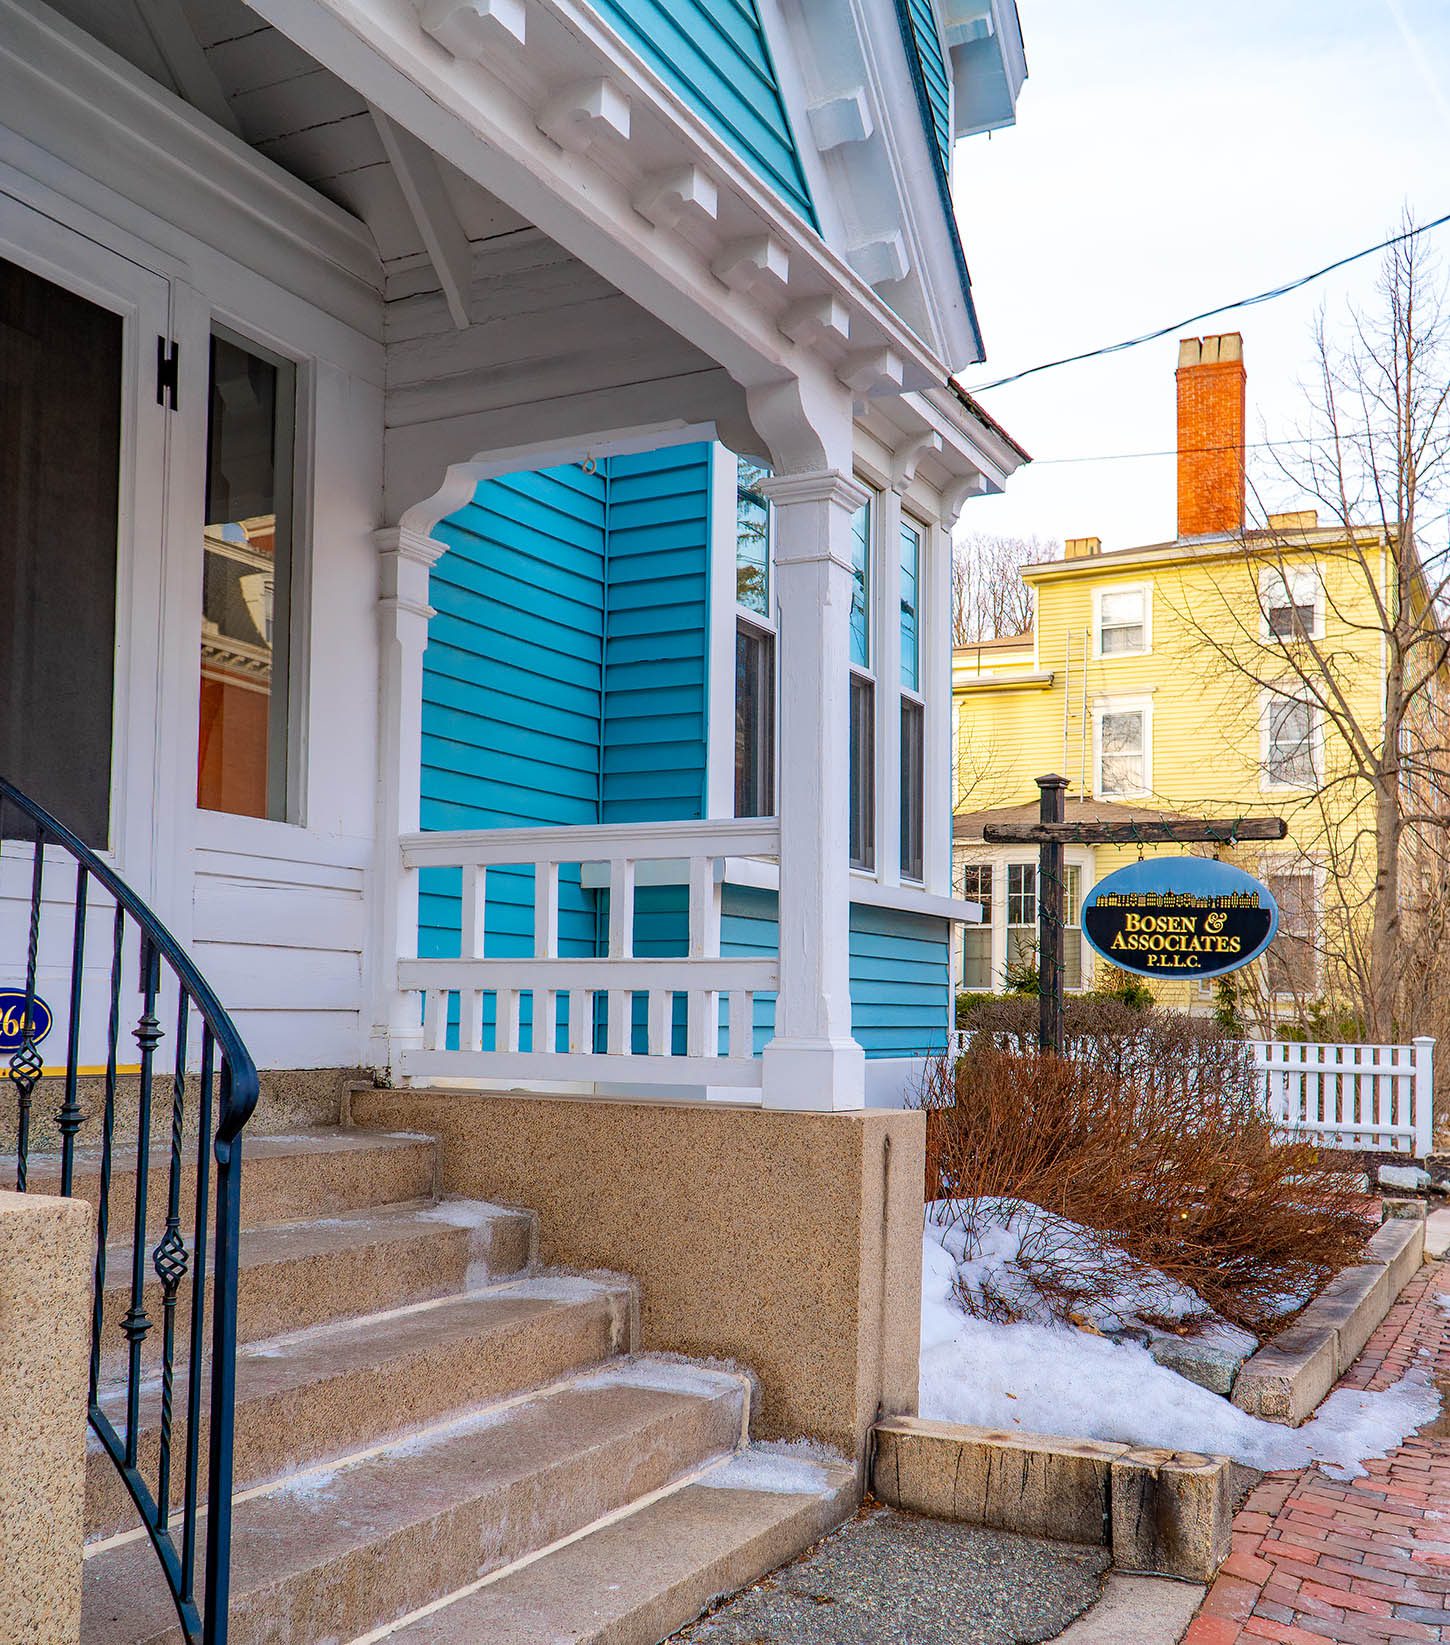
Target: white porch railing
[[621, 1023], [1379, 1097]]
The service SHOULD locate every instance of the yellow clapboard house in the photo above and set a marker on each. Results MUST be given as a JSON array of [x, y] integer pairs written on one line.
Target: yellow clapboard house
[[1162, 681]]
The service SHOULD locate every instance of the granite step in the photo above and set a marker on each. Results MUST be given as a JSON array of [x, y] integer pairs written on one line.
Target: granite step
[[338, 1388], [637, 1579], [295, 1275], [313, 1173], [332, 1553]]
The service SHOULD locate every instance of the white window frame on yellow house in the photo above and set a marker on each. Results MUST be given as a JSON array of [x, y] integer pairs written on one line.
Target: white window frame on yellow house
[[1078, 859], [1141, 703], [1294, 584], [1268, 781], [1279, 866], [1145, 592]]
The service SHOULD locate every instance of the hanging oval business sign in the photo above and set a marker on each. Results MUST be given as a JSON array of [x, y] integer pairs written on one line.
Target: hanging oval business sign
[[1180, 917], [12, 1019]]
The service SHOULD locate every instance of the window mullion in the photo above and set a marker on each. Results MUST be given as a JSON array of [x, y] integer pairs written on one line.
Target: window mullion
[[888, 670]]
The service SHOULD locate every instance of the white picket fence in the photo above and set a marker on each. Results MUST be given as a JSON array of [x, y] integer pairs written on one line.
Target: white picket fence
[[1375, 1097], [1379, 1097]]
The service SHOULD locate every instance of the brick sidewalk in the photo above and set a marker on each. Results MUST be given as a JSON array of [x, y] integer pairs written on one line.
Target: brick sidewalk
[[1363, 1562]]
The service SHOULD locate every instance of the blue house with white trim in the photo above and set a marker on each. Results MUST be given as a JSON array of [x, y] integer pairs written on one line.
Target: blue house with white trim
[[479, 483]]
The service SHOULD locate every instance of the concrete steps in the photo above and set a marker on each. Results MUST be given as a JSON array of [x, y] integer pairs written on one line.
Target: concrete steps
[[298, 1274], [646, 1574], [358, 1382], [335, 1552], [284, 1178], [432, 1435]]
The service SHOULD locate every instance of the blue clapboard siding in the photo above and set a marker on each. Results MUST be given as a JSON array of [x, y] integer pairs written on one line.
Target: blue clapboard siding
[[714, 55], [565, 681], [656, 646], [935, 80], [900, 971], [513, 695], [900, 982]]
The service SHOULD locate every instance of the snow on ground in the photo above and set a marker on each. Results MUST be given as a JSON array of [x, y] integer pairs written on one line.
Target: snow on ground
[[1053, 1379]]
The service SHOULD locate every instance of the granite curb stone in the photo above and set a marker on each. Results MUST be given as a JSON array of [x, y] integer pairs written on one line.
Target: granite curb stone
[[1289, 1376]]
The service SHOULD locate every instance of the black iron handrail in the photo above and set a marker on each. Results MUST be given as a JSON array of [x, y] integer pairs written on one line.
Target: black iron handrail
[[224, 1063]]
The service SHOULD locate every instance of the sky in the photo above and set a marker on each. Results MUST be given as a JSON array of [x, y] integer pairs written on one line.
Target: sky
[[1168, 156]]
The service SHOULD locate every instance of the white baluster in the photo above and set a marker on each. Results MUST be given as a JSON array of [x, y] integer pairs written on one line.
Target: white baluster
[[661, 1022], [581, 1020], [475, 878], [702, 1006], [470, 1019], [742, 1025], [507, 1013], [435, 1018], [546, 911], [621, 909], [546, 1021], [621, 947]]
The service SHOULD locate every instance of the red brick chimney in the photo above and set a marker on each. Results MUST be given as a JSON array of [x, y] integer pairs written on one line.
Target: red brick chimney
[[1210, 435]]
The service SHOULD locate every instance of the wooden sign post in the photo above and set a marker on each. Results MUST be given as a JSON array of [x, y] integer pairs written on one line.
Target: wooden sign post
[[1052, 832]]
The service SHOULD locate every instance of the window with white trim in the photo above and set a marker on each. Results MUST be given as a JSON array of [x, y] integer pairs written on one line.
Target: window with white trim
[[1021, 915], [1072, 926], [1291, 737], [1293, 964], [1122, 746], [913, 710], [863, 690], [244, 735], [1021, 944], [977, 939], [1291, 603], [754, 646], [1121, 621]]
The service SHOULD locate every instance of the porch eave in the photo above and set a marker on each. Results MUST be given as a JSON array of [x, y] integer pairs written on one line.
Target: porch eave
[[641, 190]]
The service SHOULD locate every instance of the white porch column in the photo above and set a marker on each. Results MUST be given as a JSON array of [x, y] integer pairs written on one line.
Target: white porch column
[[813, 1062], [405, 558]]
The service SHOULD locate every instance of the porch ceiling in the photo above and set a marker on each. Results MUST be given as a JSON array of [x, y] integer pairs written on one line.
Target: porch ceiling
[[236, 69]]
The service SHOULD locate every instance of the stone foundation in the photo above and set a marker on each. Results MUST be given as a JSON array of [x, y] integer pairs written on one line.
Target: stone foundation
[[788, 1243]]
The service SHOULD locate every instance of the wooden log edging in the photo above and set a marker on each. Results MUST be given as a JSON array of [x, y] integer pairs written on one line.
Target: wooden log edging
[[1165, 1513], [1290, 1375]]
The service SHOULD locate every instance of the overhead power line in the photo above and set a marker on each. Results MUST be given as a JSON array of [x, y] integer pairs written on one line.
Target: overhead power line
[[1172, 451], [1209, 313]]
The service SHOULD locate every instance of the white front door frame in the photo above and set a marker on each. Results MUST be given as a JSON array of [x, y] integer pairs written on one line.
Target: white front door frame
[[35, 234]]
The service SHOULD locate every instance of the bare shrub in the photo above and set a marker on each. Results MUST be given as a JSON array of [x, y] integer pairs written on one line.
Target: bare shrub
[[1160, 1147]]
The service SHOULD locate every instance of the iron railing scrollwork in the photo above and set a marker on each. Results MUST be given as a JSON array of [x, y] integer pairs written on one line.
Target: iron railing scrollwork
[[211, 1096]]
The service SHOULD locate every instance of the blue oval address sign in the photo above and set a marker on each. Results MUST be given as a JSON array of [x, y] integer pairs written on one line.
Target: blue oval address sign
[[12, 1019], [1180, 917]]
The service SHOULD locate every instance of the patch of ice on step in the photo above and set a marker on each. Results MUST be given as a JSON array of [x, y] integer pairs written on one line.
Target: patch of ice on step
[[471, 1422], [561, 1287], [305, 1487], [782, 1470], [475, 1215], [464, 1213], [666, 1376]]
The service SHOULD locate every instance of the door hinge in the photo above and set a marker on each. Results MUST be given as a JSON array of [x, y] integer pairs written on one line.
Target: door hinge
[[168, 372]]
